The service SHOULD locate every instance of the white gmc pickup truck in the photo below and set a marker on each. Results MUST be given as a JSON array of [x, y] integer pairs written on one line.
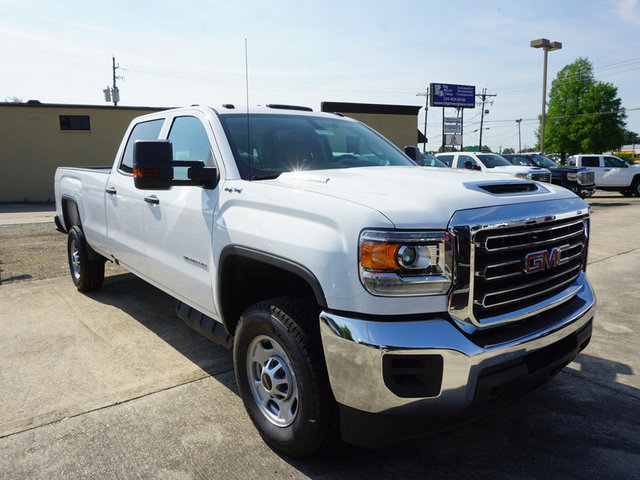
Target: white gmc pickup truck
[[360, 292]]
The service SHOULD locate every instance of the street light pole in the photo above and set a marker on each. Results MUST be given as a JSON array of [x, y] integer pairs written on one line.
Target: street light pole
[[519, 144], [547, 46]]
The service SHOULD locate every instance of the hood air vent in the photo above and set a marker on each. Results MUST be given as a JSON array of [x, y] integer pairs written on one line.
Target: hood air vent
[[510, 188]]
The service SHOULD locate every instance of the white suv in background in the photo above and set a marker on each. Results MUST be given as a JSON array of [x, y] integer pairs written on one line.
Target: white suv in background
[[611, 173], [493, 163]]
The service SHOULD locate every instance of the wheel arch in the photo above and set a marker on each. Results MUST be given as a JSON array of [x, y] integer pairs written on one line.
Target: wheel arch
[[70, 213], [246, 276]]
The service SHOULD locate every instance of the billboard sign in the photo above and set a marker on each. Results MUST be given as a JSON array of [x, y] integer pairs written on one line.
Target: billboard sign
[[452, 139], [452, 128], [448, 95]]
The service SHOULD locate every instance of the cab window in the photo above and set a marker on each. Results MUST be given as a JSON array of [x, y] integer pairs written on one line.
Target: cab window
[[590, 161], [614, 162], [142, 131], [190, 143], [466, 158]]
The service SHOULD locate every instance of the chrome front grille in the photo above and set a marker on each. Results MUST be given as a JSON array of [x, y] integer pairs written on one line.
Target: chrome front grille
[[587, 177], [501, 282], [541, 177], [516, 261]]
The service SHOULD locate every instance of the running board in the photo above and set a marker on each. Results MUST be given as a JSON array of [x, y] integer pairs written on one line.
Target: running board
[[204, 325]]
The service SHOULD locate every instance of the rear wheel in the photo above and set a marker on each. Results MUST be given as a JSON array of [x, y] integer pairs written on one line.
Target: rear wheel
[[635, 187], [281, 375], [85, 265]]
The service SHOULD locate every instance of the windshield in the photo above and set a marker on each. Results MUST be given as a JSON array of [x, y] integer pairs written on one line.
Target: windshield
[[284, 143], [542, 161], [428, 160], [491, 160]]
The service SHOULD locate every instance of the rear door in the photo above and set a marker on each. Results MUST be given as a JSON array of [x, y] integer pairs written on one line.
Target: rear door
[[124, 203], [594, 163], [178, 223]]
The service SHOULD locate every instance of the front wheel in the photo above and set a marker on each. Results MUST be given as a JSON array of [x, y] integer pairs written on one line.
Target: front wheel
[[635, 187], [85, 265], [282, 377]]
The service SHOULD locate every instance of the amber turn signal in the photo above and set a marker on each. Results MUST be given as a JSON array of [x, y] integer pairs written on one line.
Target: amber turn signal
[[379, 256]]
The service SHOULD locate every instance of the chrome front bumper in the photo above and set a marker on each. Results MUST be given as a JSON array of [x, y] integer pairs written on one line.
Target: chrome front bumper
[[355, 350]]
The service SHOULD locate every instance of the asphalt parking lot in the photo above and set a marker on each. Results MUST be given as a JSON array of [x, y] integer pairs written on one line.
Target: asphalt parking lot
[[113, 385]]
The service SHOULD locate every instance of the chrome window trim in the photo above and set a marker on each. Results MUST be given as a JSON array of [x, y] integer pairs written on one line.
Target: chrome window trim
[[466, 224]]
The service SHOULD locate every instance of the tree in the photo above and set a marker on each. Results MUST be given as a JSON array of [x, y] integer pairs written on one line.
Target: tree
[[13, 99], [508, 150], [631, 138], [583, 115]]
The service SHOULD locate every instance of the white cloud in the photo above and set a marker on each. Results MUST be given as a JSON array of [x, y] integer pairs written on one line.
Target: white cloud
[[629, 11]]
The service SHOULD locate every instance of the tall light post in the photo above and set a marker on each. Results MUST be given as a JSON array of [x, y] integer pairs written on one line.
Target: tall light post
[[547, 46], [519, 144]]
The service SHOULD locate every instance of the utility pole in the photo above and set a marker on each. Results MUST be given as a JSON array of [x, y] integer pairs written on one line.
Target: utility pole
[[483, 97], [112, 93], [426, 111], [115, 88], [519, 144]]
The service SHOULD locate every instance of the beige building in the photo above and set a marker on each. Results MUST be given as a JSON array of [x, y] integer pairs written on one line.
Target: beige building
[[399, 123], [35, 138]]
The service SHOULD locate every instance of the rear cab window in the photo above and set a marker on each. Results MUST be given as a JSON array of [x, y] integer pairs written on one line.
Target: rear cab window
[[591, 161], [446, 159], [149, 130]]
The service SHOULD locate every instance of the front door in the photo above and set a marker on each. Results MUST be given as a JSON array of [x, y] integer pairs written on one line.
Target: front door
[[615, 172], [178, 223]]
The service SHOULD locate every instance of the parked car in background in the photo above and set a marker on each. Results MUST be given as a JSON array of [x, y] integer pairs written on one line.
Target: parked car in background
[[490, 162], [428, 160], [611, 173], [579, 180]]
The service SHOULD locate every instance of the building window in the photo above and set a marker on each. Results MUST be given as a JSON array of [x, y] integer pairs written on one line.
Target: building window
[[74, 122]]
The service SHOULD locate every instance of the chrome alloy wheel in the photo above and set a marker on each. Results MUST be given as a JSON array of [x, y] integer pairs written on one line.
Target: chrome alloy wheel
[[75, 260], [272, 381]]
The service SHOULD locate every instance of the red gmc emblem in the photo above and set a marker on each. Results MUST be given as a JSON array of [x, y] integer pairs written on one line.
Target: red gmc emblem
[[543, 260]]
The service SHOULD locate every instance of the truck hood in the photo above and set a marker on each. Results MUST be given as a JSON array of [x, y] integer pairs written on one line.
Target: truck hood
[[415, 197]]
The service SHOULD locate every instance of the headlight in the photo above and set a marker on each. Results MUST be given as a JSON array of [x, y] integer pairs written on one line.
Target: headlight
[[526, 176], [572, 176], [394, 263]]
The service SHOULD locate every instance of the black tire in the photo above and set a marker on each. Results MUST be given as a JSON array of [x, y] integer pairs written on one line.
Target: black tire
[[85, 265], [280, 338], [635, 187], [627, 193]]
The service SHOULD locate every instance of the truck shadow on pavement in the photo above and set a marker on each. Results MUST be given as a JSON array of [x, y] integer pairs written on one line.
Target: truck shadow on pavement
[[582, 424], [155, 310]]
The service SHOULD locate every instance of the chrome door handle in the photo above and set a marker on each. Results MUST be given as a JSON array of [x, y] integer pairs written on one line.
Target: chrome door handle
[[152, 199], [110, 190]]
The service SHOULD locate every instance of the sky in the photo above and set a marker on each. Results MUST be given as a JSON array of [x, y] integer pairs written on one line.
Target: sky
[[179, 53]]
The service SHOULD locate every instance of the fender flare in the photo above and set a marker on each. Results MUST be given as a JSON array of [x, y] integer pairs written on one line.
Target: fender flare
[[273, 260]]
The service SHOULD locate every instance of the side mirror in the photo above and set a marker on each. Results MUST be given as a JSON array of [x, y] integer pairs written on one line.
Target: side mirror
[[413, 153], [153, 168]]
